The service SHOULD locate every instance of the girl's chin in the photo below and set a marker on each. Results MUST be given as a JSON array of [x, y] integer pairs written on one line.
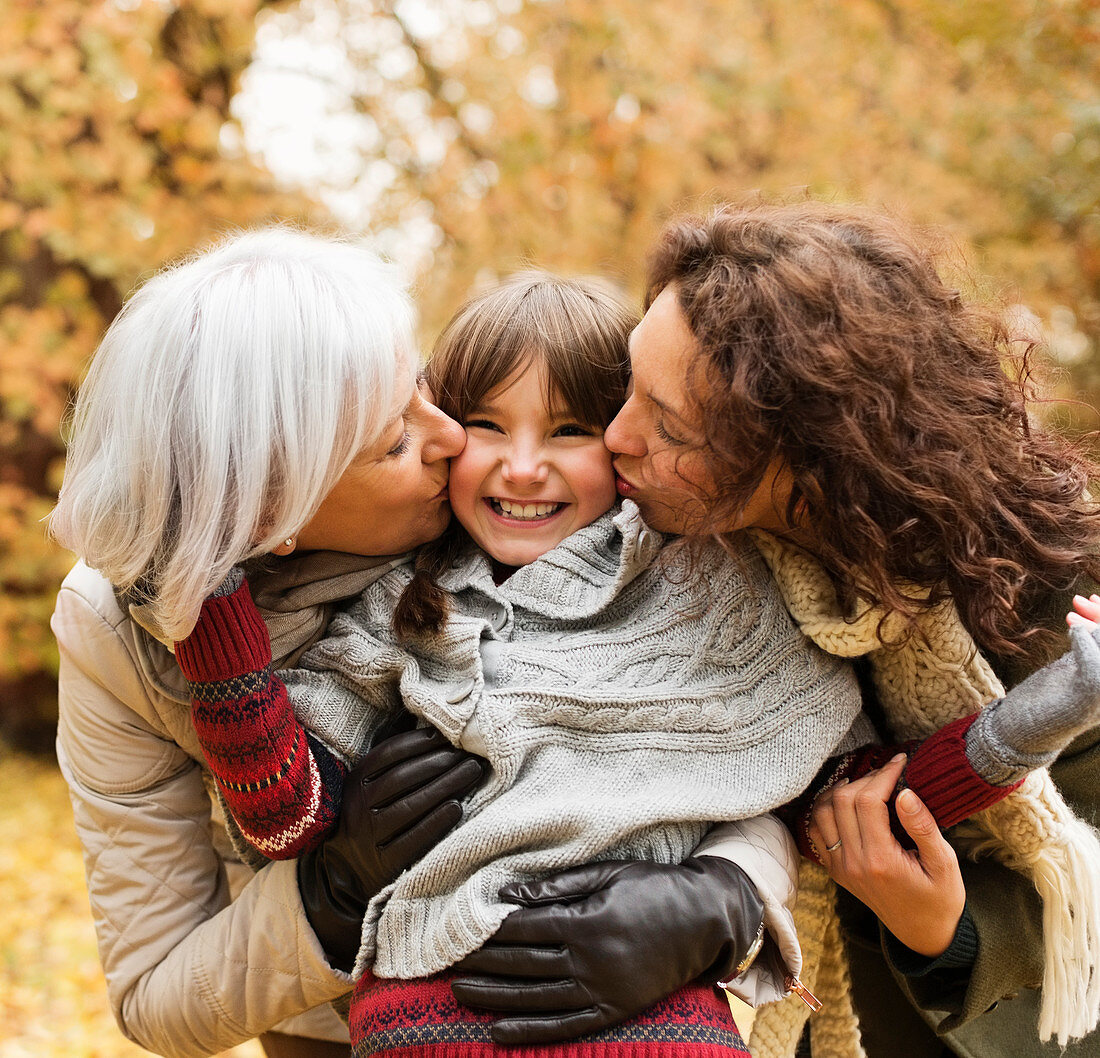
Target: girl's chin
[[520, 550], [520, 556]]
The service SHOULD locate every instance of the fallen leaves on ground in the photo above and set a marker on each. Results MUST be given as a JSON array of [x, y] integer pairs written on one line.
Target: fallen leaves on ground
[[53, 999]]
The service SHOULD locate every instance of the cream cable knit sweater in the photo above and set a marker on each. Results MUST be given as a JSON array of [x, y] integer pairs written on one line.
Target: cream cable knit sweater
[[624, 700]]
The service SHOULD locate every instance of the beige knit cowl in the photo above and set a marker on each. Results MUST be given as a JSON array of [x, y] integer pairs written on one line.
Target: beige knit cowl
[[927, 681]]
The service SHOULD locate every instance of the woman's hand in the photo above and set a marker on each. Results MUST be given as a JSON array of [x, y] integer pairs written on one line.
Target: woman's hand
[[399, 801], [597, 944], [917, 895]]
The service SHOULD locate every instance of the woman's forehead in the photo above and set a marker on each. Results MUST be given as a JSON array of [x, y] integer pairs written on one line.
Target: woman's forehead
[[662, 349]]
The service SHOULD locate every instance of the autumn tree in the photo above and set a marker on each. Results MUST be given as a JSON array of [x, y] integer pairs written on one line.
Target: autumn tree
[[564, 131], [117, 153]]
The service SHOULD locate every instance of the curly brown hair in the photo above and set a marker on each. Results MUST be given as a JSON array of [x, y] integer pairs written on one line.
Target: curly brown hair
[[829, 339]]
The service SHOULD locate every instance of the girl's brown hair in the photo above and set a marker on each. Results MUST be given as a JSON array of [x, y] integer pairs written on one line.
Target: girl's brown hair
[[578, 329], [829, 339]]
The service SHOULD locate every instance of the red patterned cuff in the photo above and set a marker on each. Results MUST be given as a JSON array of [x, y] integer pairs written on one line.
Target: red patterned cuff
[[229, 640], [941, 776]]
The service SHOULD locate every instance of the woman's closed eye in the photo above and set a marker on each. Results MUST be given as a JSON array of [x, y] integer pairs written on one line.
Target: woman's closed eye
[[664, 435], [402, 446]]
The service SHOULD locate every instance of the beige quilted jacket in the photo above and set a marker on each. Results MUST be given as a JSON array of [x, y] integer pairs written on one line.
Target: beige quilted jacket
[[199, 953]]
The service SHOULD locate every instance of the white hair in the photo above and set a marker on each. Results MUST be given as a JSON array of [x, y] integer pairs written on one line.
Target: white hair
[[223, 404]]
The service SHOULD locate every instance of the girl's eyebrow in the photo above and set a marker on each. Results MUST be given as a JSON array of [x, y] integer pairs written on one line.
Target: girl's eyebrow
[[556, 413]]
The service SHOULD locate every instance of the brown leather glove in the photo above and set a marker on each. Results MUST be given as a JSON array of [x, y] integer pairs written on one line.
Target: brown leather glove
[[398, 802], [597, 944]]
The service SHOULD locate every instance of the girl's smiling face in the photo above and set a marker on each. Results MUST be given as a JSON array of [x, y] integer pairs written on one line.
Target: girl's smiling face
[[531, 473]]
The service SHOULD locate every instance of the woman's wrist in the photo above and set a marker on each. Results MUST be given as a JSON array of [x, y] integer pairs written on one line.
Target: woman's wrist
[[960, 953]]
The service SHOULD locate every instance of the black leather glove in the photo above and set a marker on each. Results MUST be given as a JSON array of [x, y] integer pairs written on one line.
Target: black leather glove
[[597, 944], [398, 802]]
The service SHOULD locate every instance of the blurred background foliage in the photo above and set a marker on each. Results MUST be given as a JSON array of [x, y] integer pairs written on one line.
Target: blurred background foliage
[[111, 161], [472, 136]]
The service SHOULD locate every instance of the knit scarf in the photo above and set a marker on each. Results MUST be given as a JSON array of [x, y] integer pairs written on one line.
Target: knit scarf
[[928, 680]]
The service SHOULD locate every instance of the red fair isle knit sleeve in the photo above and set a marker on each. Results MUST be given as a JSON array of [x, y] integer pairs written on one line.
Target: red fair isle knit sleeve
[[941, 776], [937, 771], [282, 787]]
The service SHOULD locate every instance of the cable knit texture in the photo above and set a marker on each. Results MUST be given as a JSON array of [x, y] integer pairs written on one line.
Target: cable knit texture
[[928, 681], [624, 700]]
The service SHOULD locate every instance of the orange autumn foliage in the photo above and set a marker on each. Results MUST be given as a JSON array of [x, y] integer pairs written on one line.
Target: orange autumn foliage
[[111, 162]]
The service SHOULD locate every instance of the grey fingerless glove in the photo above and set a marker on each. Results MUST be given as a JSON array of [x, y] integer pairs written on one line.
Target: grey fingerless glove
[[1039, 717]]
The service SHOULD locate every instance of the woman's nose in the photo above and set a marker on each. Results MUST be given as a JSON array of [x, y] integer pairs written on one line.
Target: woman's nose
[[443, 437], [622, 434]]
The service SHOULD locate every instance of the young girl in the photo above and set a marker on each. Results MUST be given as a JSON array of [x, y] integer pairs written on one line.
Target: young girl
[[621, 692]]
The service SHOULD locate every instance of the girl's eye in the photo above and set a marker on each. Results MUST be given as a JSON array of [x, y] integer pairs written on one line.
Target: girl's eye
[[481, 424], [401, 447], [664, 435], [573, 430]]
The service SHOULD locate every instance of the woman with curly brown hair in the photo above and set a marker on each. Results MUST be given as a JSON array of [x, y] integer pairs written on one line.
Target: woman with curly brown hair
[[804, 373], [831, 346]]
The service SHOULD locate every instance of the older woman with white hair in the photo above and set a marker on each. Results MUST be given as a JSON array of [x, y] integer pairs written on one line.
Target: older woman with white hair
[[255, 403]]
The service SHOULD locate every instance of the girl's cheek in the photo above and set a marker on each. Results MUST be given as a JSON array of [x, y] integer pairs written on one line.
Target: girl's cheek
[[602, 477], [464, 480]]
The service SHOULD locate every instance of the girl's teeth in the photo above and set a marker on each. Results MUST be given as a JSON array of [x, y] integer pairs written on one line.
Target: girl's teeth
[[526, 510]]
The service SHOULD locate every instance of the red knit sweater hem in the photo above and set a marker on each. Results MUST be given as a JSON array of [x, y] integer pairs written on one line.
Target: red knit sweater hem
[[422, 1019]]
